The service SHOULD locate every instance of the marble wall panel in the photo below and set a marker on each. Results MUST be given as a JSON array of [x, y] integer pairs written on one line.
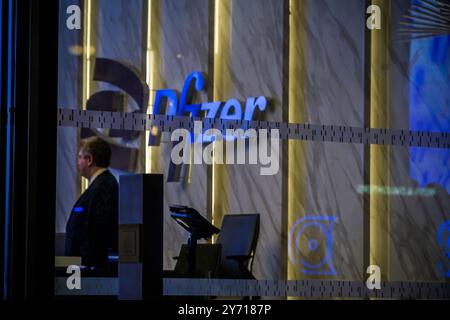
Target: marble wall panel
[[184, 32], [256, 68], [334, 87]]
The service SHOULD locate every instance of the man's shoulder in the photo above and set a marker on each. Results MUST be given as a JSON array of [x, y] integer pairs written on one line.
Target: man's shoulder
[[105, 179]]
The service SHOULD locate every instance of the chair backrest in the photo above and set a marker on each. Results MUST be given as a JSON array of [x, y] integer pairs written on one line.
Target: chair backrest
[[238, 237], [208, 258]]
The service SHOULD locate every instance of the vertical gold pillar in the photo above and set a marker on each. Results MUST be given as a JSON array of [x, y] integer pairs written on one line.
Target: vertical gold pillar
[[222, 42], [153, 78], [89, 42], [379, 155], [297, 114]]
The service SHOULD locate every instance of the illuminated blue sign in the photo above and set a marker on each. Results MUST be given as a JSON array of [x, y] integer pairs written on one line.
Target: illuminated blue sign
[[195, 82], [167, 101], [311, 243]]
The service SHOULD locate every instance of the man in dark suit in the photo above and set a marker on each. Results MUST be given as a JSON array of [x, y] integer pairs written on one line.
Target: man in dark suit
[[92, 228]]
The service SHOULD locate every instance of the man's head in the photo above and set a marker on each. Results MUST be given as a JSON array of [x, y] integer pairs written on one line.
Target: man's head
[[94, 154]]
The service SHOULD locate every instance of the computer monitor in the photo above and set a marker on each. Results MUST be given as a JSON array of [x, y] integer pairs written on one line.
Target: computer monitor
[[191, 220]]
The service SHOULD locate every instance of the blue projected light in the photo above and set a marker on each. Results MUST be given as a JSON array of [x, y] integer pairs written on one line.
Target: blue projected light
[[443, 238], [311, 244], [429, 108]]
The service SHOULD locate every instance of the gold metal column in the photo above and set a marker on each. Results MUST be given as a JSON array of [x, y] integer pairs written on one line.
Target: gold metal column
[[222, 41], [89, 44], [153, 78], [297, 114], [379, 155]]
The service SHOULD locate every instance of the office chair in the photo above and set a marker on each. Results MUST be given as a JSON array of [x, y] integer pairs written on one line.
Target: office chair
[[235, 248], [238, 237]]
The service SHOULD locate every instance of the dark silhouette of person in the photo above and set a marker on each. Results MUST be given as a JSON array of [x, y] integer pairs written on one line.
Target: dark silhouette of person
[[92, 228]]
